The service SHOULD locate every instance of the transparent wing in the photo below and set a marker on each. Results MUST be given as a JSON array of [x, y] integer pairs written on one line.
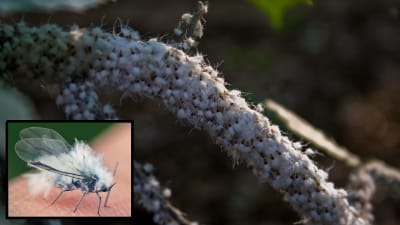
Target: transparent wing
[[30, 149], [34, 152], [41, 132]]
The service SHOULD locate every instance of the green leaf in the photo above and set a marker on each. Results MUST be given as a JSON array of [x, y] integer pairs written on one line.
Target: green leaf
[[275, 10]]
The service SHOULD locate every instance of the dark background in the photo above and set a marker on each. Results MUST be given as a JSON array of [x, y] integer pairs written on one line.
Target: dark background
[[335, 63]]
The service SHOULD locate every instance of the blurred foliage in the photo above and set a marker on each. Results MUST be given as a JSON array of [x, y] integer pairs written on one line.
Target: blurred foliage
[[14, 106], [275, 10], [248, 59]]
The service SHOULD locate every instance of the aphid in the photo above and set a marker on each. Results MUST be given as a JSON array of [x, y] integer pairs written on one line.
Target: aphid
[[62, 165]]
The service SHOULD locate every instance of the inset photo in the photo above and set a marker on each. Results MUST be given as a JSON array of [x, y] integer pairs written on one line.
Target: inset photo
[[69, 168]]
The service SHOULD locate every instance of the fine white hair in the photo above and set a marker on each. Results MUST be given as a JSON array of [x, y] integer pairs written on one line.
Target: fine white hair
[[81, 160]]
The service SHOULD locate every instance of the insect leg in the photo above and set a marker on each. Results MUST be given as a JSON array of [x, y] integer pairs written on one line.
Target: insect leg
[[105, 203], [108, 195], [58, 196], [109, 189], [98, 208], [84, 194]]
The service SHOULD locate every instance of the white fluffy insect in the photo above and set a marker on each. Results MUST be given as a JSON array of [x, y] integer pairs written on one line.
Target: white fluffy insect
[[62, 165]]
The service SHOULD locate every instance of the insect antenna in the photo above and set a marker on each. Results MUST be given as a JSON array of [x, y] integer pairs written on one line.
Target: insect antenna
[[115, 169], [109, 190]]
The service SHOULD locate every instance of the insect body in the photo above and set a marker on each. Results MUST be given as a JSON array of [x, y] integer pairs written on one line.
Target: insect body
[[62, 165]]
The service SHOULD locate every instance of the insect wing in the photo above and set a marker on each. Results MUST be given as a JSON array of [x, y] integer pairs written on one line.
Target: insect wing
[[34, 152], [41, 132], [30, 149]]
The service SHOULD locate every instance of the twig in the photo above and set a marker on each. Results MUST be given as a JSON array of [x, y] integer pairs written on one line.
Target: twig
[[305, 130]]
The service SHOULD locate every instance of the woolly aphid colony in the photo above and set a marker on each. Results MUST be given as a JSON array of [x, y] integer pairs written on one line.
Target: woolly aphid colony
[[85, 60]]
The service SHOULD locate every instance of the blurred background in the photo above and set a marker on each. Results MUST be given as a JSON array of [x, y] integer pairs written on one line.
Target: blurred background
[[335, 63]]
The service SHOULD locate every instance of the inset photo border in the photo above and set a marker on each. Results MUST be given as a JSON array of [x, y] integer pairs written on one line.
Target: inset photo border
[[58, 169]]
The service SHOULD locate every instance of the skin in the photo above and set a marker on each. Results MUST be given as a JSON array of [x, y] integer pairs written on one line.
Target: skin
[[115, 145]]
